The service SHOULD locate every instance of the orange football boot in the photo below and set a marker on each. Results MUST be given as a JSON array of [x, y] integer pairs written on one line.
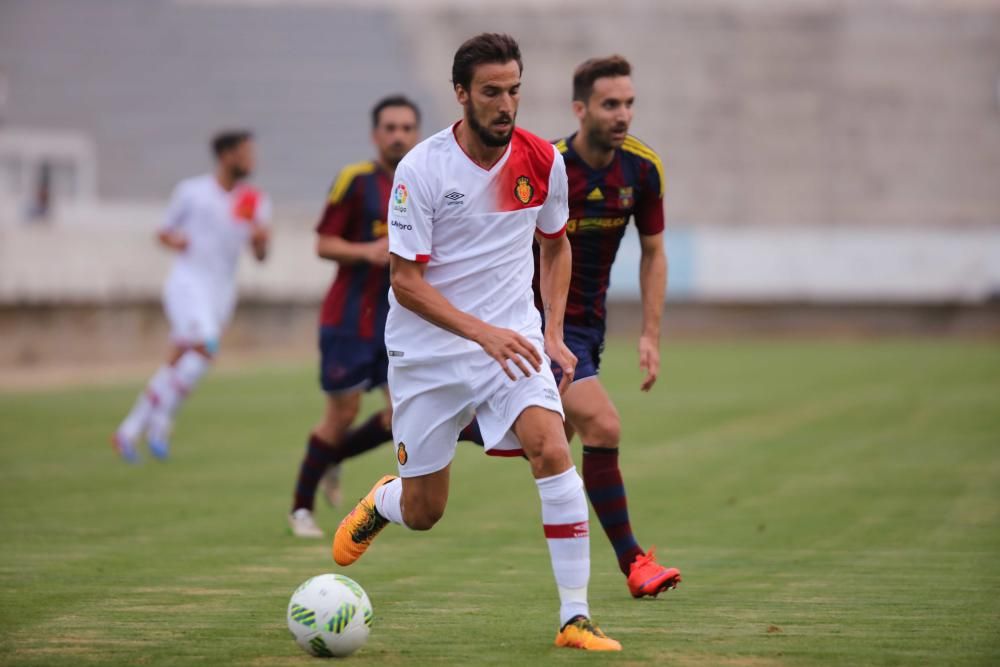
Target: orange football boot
[[580, 632], [359, 527], [647, 577]]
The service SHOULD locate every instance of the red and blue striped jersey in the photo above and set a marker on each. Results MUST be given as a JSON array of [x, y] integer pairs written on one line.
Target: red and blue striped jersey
[[358, 300], [601, 201]]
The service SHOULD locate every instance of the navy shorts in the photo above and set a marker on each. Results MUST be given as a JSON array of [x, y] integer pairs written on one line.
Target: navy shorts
[[586, 343], [349, 362]]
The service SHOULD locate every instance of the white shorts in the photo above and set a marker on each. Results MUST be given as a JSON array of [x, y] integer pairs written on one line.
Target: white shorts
[[197, 313], [433, 401]]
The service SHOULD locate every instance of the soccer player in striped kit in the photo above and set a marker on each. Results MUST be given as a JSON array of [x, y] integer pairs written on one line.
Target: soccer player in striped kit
[[612, 177], [353, 232]]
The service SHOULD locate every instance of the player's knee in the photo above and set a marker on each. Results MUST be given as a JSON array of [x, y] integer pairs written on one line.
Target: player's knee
[[340, 415], [422, 515], [548, 453], [346, 417], [605, 430]]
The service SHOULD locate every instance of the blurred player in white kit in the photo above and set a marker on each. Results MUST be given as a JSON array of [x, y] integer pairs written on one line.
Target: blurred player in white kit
[[209, 220]]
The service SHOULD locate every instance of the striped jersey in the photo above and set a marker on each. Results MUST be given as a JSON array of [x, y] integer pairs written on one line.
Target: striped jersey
[[601, 202], [357, 302]]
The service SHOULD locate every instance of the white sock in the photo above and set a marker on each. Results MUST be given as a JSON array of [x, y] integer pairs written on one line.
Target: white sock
[[180, 381], [136, 420], [389, 501], [564, 517]]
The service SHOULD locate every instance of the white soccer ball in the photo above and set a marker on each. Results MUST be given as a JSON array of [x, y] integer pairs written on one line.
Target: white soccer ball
[[330, 616]]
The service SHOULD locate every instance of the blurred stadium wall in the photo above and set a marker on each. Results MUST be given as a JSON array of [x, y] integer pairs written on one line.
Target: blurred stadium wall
[[830, 163]]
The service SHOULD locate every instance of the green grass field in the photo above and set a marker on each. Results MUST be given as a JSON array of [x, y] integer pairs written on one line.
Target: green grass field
[[828, 503]]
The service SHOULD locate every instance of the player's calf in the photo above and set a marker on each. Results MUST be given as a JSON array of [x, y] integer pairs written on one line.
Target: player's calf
[[424, 499]]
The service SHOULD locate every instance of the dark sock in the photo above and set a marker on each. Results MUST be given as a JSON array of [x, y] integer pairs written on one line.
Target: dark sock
[[369, 435], [603, 481], [471, 433], [319, 454]]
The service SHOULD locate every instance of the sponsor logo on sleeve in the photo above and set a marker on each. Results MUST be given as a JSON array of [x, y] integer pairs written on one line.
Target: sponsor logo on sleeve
[[524, 190], [403, 226], [401, 454], [399, 197]]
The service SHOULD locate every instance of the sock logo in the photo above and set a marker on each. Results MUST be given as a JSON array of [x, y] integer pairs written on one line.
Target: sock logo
[[401, 454]]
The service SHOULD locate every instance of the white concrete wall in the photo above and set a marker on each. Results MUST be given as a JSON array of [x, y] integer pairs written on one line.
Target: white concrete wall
[[823, 265], [109, 255]]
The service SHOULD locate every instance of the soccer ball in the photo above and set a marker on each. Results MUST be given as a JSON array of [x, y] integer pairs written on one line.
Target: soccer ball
[[330, 616]]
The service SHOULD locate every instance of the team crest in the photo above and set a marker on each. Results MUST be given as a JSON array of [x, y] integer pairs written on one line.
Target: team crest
[[401, 454], [379, 229], [625, 198], [523, 190]]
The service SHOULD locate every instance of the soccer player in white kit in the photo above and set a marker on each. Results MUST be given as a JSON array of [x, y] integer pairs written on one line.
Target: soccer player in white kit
[[209, 221], [463, 336]]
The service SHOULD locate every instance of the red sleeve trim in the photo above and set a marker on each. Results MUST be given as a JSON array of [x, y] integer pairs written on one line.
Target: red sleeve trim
[[423, 259], [554, 235]]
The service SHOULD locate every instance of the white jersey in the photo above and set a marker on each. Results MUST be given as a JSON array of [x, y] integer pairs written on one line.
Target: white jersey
[[217, 225], [474, 228]]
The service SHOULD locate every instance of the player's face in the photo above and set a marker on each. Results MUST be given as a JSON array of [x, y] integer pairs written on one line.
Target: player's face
[[491, 101], [607, 115], [395, 134], [241, 160]]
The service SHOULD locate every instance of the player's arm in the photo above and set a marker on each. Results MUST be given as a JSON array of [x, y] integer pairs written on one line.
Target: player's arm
[[416, 294], [555, 268], [342, 210], [653, 286], [260, 240], [260, 233], [649, 221], [342, 251], [171, 234]]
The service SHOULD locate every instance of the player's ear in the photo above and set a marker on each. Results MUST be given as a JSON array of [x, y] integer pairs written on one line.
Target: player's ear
[[579, 109], [461, 94]]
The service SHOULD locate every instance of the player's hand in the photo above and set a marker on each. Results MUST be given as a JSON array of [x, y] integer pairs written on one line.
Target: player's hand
[[378, 252], [649, 360], [174, 240], [507, 346], [259, 234], [564, 359]]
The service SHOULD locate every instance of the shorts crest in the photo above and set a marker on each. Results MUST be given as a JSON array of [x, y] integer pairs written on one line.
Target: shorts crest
[[401, 454]]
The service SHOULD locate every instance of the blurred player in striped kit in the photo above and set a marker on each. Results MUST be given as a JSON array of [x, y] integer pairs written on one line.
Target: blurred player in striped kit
[[352, 231], [209, 221]]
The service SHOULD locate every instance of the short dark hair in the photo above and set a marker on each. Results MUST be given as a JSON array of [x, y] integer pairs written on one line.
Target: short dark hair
[[597, 68], [394, 101], [488, 47], [227, 140]]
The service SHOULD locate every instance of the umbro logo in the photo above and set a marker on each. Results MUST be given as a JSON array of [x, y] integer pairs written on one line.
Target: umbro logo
[[454, 196]]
